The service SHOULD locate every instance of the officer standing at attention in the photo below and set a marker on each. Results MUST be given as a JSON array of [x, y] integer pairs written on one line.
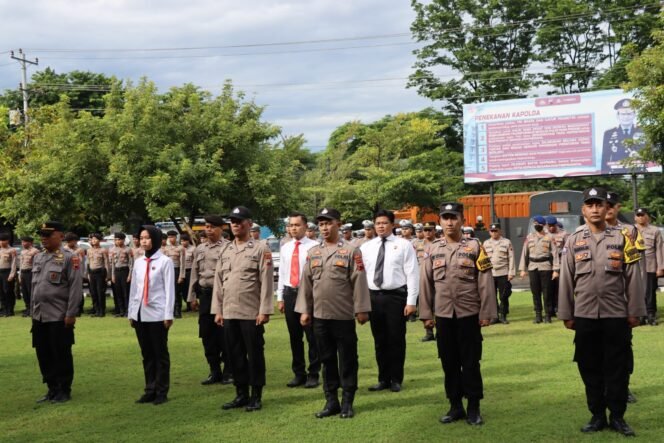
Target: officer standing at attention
[[540, 259], [429, 230], [136, 250], [601, 298], [654, 256], [369, 233], [176, 253], [25, 276], [185, 241], [293, 257], [333, 294], [99, 270], [7, 275], [347, 232], [312, 231], [56, 295], [243, 300], [255, 232], [121, 265], [560, 237], [457, 295], [406, 230], [393, 278], [205, 261], [500, 251]]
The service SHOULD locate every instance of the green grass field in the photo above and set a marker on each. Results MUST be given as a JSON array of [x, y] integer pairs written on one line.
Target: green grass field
[[533, 391]]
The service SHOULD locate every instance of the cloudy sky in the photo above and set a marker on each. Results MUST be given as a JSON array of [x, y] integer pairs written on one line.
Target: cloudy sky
[[315, 64]]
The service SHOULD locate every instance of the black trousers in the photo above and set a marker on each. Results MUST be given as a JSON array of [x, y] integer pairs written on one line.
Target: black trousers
[[651, 292], [52, 342], [212, 335], [540, 286], [7, 291], [603, 354], [98, 290], [121, 290], [337, 345], [26, 287], [245, 343], [153, 339], [388, 327], [460, 351], [553, 287], [177, 306], [296, 332], [503, 291], [184, 287]]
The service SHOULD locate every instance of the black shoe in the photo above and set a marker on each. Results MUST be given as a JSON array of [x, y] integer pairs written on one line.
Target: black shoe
[[547, 319], [596, 424], [631, 398], [227, 378], [395, 386], [212, 379], [504, 320], [332, 406], [61, 397], [177, 315], [619, 425], [474, 418], [146, 398], [312, 382], [538, 318], [380, 386], [454, 414], [241, 398], [347, 405], [427, 338], [652, 320], [26, 314], [297, 381], [47, 397], [159, 399], [255, 402]]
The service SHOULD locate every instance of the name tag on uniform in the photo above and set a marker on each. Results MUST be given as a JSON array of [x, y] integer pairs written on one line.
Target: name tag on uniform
[[341, 263], [582, 256]]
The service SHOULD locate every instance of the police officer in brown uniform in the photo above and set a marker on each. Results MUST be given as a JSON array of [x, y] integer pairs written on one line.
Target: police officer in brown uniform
[[333, 294], [201, 283], [539, 259], [99, 271], [500, 251], [189, 249], [429, 236], [7, 275], [177, 255], [559, 237], [121, 266], [601, 298], [56, 295], [243, 300], [136, 250], [26, 259], [457, 295], [654, 260]]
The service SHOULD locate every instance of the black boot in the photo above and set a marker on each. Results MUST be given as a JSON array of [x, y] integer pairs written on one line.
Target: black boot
[[474, 417], [455, 413], [331, 407], [538, 318], [347, 404], [214, 377], [547, 319], [652, 319], [241, 398], [255, 402]]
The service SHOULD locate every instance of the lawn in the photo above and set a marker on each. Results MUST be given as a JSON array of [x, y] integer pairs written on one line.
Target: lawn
[[532, 390]]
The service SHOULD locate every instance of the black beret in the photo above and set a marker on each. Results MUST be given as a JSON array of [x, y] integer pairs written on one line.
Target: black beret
[[328, 214], [215, 220], [453, 208], [240, 213]]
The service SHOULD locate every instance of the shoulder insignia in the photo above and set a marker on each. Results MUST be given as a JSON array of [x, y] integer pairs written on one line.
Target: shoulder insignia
[[267, 255], [483, 262], [359, 264], [630, 251], [343, 251], [76, 261]]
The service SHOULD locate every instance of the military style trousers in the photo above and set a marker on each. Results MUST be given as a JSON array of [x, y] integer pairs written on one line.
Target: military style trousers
[[540, 286], [388, 327], [212, 335], [651, 292], [121, 290], [26, 287], [245, 343], [52, 342], [153, 340], [296, 332], [177, 306], [603, 353], [98, 290], [337, 345], [503, 290], [460, 351], [7, 295]]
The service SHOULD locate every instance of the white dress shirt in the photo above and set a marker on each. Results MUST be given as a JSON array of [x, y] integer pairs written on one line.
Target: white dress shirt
[[400, 267], [285, 257], [161, 290]]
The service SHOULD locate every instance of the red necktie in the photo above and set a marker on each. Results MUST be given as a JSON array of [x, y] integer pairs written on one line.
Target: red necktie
[[295, 266], [146, 282]]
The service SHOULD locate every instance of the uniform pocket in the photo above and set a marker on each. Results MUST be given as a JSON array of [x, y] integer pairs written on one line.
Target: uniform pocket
[[54, 274]]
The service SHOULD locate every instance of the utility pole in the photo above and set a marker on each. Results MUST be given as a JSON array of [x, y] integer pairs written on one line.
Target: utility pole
[[24, 86]]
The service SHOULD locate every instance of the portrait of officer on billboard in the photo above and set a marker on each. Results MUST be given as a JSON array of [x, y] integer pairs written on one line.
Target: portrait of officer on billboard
[[623, 141]]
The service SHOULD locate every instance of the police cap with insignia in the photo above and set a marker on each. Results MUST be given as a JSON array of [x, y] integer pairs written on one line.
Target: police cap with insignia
[[311, 226], [255, 227], [624, 103], [4, 236], [418, 227], [452, 208], [596, 194], [551, 220], [240, 213], [642, 211], [215, 220], [494, 226], [119, 236], [368, 224], [171, 233], [406, 224], [328, 214], [347, 227], [429, 225], [49, 227], [612, 197]]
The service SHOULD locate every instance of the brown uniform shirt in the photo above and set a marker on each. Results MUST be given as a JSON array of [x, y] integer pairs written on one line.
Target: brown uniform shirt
[[540, 253], [654, 248], [137, 253], [560, 237], [244, 281], [333, 285], [501, 254], [206, 256], [176, 254], [98, 259], [120, 258], [455, 278], [8, 260], [600, 278], [27, 257], [57, 286], [189, 256], [420, 247]]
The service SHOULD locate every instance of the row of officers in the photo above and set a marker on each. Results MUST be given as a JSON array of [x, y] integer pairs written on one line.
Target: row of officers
[[327, 286]]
